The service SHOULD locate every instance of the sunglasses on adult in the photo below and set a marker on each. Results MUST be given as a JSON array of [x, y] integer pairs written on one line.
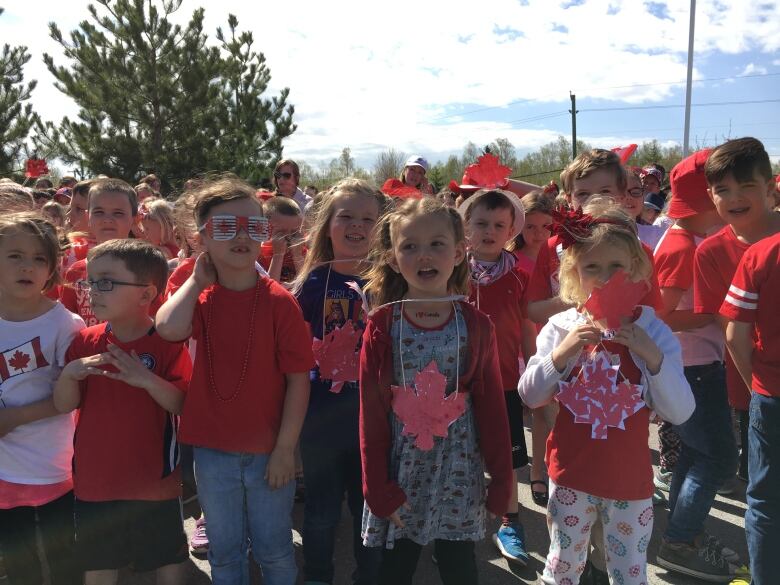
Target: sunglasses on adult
[[279, 175], [223, 228]]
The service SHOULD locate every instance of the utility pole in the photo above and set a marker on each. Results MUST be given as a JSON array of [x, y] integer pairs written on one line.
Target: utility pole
[[689, 80], [573, 113]]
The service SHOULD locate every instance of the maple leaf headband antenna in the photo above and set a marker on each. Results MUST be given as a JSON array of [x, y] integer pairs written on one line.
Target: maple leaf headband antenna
[[575, 226]]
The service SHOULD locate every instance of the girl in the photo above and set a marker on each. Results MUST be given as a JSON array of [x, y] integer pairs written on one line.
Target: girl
[[414, 173], [54, 213], [608, 477], [423, 451], [157, 224], [36, 443], [339, 242], [634, 205]]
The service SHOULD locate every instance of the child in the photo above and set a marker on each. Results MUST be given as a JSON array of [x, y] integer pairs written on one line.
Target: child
[[36, 442], [54, 213], [751, 306], [492, 219], [128, 384], [112, 208], [330, 445], [282, 257], [595, 476], [157, 225], [634, 205], [739, 175], [249, 390], [536, 230], [420, 487], [708, 453]]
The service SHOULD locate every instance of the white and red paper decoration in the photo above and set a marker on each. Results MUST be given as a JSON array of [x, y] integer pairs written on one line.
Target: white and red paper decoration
[[337, 356], [595, 397]]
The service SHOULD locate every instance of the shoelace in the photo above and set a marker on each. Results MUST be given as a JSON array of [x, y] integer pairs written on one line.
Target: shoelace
[[712, 555]]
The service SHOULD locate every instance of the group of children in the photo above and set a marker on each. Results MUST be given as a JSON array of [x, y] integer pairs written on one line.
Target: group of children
[[392, 343]]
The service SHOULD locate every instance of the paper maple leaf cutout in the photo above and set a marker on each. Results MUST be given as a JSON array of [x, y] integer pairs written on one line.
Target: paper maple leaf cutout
[[487, 173], [397, 188], [625, 152], [337, 356], [594, 398], [424, 409], [616, 299], [19, 360]]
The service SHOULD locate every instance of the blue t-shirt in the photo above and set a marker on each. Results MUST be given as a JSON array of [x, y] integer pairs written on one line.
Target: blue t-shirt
[[327, 303]]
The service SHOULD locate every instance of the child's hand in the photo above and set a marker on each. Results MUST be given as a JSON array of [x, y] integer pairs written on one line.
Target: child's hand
[[395, 517], [81, 368], [572, 344], [204, 273], [280, 469], [637, 340], [279, 244], [132, 370]]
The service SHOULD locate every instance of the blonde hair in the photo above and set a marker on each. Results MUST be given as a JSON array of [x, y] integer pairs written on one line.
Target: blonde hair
[[385, 285], [319, 246], [617, 229], [162, 212], [589, 162], [56, 210], [34, 224], [15, 198]]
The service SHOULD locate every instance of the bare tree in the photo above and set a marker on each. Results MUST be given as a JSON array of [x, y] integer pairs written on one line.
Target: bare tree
[[388, 164]]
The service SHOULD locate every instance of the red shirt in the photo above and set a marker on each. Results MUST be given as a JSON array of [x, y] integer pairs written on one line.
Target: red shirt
[[125, 443], [715, 263], [752, 298], [502, 301], [246, 419], [179, 276], [619, 467], [289, 272], [544, 282]]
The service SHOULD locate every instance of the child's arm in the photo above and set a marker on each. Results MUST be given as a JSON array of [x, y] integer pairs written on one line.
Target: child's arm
[[279, 249], [67, 393], [740, 343], [16, 416], [680, 320], [174, 319], [528, 339], [281, 463]]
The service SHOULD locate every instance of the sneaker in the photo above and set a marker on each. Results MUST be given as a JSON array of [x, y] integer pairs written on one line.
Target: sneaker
[[728, 554], [704, 562], [662, 479], [510, 540], [199, 543], [593, 576], [659, 499], [729, 487], [742, 577]]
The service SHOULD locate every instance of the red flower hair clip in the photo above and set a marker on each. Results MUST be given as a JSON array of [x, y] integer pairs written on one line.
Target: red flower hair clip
[[571, 226]]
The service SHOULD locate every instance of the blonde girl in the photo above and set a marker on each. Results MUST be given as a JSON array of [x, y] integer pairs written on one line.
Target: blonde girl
[[36, 443], [338, 243], [158, 225], [54, 213], [422, 463], [599, 472]]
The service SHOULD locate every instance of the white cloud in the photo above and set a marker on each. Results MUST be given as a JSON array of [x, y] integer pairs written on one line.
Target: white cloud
[[753, 69], [388, 75]]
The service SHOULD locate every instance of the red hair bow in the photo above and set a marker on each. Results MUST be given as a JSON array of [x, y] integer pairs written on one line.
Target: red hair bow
[[571, 226]]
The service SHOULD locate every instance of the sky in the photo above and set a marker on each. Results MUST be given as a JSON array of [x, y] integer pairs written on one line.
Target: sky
[[426, 77]]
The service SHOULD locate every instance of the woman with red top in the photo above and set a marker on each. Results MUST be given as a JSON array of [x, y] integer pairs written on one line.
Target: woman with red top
[[597, 454]]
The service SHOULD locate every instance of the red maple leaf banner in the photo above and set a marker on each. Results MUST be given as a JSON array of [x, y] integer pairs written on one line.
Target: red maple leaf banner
[[615, 300], [35, 167], [19, 361], [337, 356], [424, 409], [594, 397]]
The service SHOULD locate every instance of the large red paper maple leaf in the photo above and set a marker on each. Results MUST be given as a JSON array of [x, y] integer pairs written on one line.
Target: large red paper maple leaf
[[616, 299], [337, 356], [424, 409], [625, 152], [397, 188], [487, 173], [19, 361]]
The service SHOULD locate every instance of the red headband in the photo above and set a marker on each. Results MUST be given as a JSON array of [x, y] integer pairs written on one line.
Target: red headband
[[574, 226]]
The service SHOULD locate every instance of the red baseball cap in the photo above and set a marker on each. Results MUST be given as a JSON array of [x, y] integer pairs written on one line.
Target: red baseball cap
[[689, 187]]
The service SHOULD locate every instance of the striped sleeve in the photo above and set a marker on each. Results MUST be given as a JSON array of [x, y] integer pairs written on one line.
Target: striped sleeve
[[741, 300]]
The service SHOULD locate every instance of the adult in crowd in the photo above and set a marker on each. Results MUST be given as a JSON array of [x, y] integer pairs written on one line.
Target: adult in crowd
[[287, 175], [414, 173]]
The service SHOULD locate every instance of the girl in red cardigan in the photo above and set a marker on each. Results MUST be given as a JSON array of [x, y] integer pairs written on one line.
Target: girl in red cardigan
[[432, 411]]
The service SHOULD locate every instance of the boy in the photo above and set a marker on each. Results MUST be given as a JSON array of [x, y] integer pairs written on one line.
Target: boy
[[739, 175], [282, 257], [751, 306], [708, 452], [492, 219], [250, 386], [128, 383], [112, 208]]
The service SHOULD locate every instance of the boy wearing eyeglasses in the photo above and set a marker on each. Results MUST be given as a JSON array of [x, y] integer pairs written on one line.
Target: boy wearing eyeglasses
[[128, 385]]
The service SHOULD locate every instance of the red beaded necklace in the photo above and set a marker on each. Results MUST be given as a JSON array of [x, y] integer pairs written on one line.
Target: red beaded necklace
[[209, 353]]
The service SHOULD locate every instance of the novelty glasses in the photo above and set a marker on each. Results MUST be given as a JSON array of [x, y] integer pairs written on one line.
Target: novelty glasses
[[223, 228]]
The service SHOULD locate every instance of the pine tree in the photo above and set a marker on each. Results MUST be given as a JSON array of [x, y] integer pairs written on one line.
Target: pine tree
[[16, 118]]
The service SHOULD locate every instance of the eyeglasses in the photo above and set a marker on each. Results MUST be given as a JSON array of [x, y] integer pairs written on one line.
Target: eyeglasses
[[223, 228], [104, 284], [279, 175], [636, 192]]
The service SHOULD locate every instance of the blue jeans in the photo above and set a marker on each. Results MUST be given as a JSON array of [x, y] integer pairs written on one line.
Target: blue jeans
[[328, 472], [240, 509], [708, 456], [762, 519]]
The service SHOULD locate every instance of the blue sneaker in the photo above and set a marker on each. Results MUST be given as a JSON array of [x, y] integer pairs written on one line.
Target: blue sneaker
[[510, 540]]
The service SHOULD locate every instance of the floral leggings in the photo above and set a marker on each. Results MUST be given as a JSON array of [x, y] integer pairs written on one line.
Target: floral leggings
[[628, 526]]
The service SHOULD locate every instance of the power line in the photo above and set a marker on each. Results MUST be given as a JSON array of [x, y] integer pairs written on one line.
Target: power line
[[664, 107]]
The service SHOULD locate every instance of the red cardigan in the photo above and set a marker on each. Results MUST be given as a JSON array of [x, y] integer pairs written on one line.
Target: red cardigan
[[482, 378]]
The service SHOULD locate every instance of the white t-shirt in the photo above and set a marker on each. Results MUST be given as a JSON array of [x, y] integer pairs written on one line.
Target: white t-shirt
[[650, 235], [32, 355]]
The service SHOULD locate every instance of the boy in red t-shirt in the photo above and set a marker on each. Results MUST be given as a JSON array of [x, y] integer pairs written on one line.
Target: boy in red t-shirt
[[112, 210], [282, 257], [739, 174], [708, 452], [751, 307], [492, 219], [128, 384], [250, 386]]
